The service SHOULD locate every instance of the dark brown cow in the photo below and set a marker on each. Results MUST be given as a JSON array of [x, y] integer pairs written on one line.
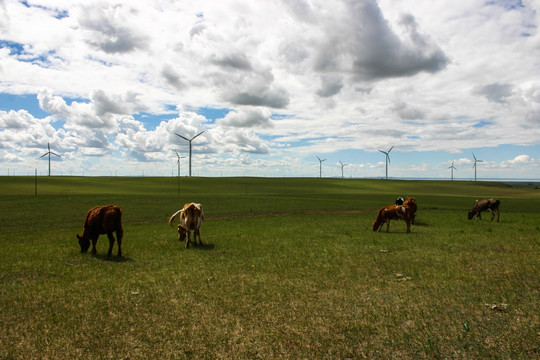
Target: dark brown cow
[[191, 218], [491, 205], [102, 220], [393, 212]]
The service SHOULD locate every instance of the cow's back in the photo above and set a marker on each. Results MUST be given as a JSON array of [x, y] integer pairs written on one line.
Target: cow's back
[[103, 219], [494, 204], [192, 216]]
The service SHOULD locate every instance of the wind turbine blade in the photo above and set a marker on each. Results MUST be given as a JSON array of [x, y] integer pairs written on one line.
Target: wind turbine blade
[[177, 154], [388, 156], [391, 148], [55, 154], [197, 135], [474, 156], [44, 155], [185, 138], [384, 152], [318, 158]]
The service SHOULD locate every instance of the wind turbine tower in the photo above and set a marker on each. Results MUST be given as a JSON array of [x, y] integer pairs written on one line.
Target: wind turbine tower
[[178, 162], [474, 165], [320, 166], [387, 154], [342, 166], [49, 152], [189, 140], [452, 171]]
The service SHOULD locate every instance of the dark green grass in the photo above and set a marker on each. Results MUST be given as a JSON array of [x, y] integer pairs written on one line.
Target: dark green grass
[[290, 269]]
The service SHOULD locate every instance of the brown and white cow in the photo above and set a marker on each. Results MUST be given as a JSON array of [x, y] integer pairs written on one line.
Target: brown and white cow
[[191, 218], [491, 205], [393, 212], [102, 220]]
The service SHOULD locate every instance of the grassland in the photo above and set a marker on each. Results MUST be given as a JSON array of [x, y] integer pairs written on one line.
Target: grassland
[[290, 270]]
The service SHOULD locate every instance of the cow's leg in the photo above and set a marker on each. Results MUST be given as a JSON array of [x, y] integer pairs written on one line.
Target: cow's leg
[[119, 236], [111, 243], [188, 238], [198, 233], [492, 214], [94, 242], [408, 226], [387, 225]]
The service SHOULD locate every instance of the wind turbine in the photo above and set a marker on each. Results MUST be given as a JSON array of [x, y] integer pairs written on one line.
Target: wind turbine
[[387, 153], [320, 166], [474, 165], [342, 166], [49, 152], [190, 140], [452, 170], [179, 157]]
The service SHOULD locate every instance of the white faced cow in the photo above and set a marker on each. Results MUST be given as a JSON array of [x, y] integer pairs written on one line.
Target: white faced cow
[[491, 205], [191, 218]]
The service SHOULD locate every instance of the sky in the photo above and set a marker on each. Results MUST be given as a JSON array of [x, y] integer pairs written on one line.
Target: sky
[[273, 85]]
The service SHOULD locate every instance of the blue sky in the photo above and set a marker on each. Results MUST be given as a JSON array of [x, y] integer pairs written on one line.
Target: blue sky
[[273, 85]]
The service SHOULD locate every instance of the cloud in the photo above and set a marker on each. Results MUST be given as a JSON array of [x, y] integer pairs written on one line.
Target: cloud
[[362, 42], [256, 95], [496, 92], [407, 112], [330, 85], [235, 61], [247, 118], [519, 161], [380, 53], [109, 28], [172, 77]]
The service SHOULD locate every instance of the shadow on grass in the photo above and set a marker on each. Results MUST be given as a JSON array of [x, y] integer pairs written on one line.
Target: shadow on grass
[[112, 258], [202, 247]]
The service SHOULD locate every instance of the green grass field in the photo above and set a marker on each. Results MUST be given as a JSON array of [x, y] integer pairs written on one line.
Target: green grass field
[[290, 269]]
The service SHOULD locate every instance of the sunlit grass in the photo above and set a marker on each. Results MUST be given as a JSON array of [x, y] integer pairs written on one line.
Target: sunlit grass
[[292, 275]]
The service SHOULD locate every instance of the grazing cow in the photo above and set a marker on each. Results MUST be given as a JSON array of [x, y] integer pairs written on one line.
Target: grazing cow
[[393, 212], [491, 205], [102, 220], [191, 218], [411, 202]]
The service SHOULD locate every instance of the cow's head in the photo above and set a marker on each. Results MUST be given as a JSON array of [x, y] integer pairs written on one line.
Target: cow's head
[[182, 232], [84, 243], [471, 214]]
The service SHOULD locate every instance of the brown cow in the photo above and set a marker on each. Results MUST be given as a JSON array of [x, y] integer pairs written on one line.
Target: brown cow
[[393, 212], [411, 202], [191, 218], [491, 205], [102, 220]]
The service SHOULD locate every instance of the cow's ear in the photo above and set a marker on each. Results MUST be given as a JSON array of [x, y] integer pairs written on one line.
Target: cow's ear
[[79, 237]]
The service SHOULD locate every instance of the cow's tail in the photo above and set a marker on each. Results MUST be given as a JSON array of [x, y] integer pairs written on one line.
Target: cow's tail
[[378, 222], [174, 215]]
